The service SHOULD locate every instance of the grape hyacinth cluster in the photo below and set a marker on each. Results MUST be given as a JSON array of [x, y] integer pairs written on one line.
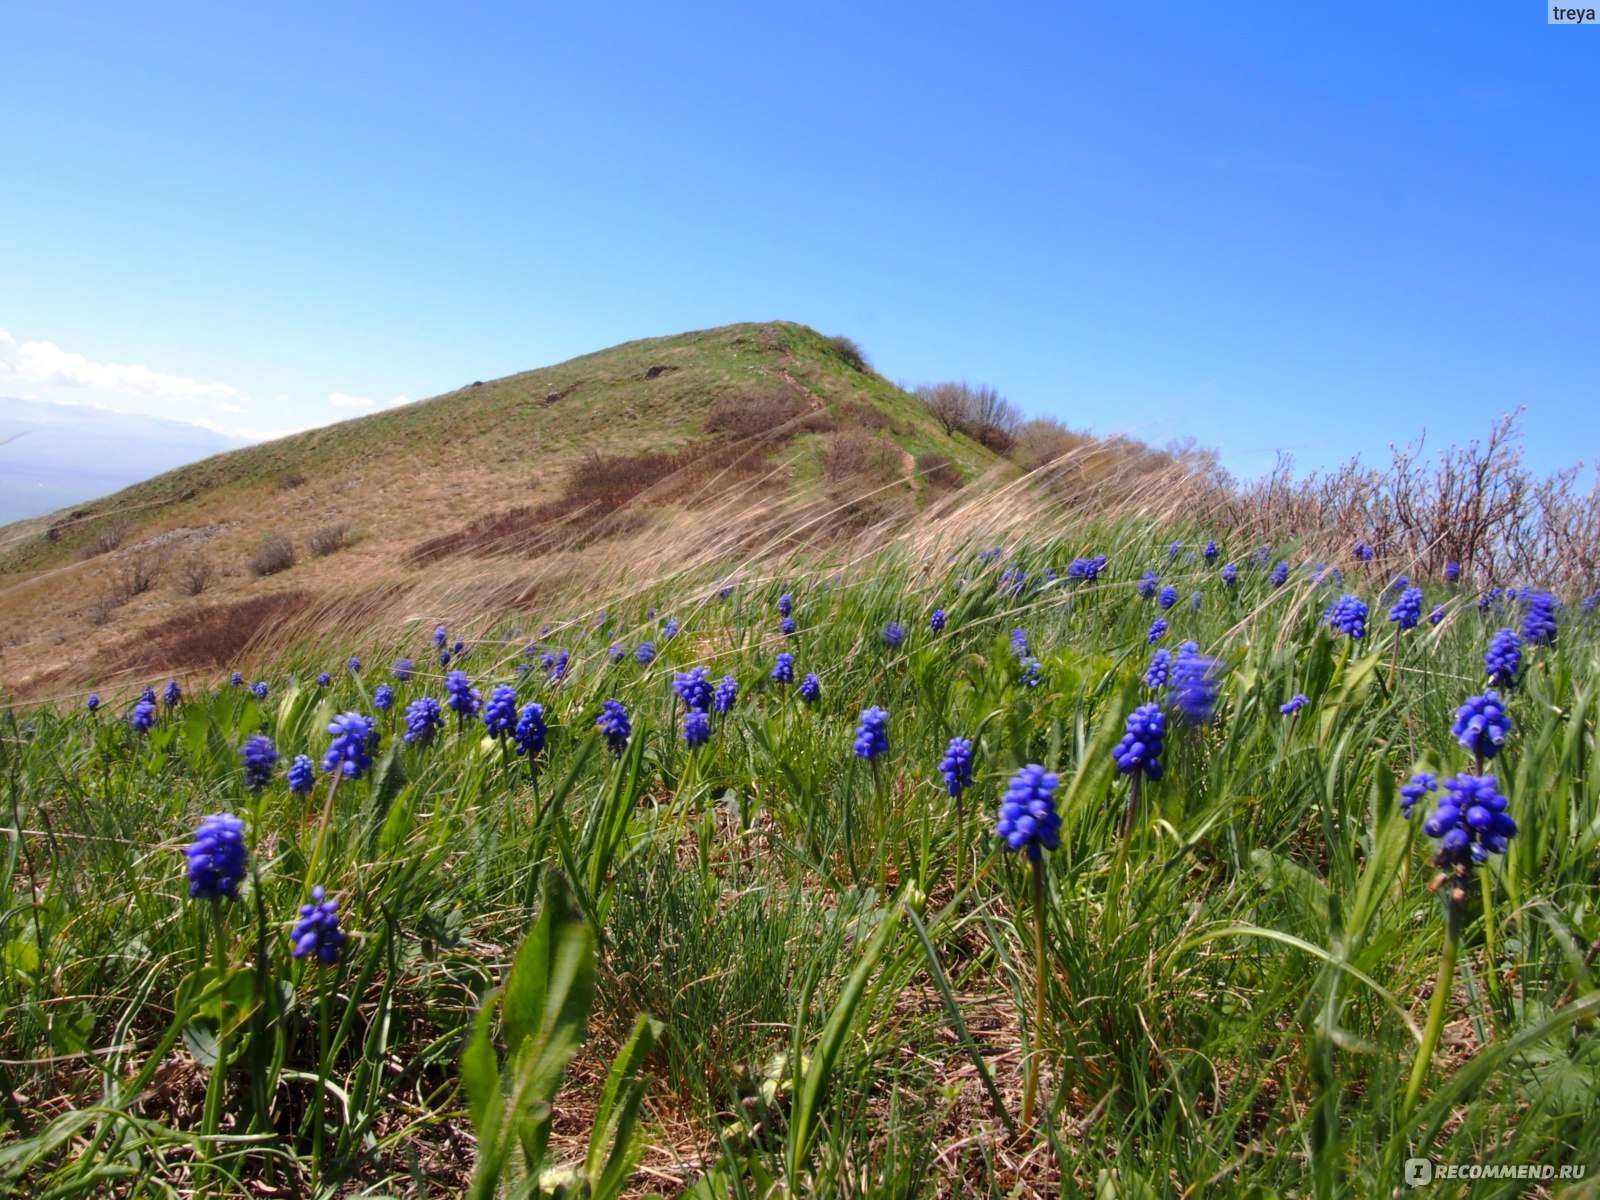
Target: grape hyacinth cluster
[[783, 669], [1169, 597], [1295, 704], [217, 858], [1158, 630], [697, 728], [1470, 823], [1230, 575], [260, 760], [464, 699], [424, 717], [531, 731], [1503, 659], [1159, 670], [500, 714], [727, 692], [893, 635], [354, 740], [1028, 817], [1407, 610], [1348, 615], [1195, 684], [1280, 574], [693, 687], [383, 697], [872, 735], [302, 774], [956, 766], [1421, 784], [936, 622], [1539, 624], [1087, 569], [317, 932], [1482, 725], [173, 694], [810, 689], [1149, 583], [613, 722], [1140, 747], [645, 654], [143, 717]]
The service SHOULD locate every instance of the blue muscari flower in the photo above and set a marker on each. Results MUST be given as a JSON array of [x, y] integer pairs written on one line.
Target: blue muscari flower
[[785, 604], [354, 665], [1013, 582], [531, 730], [786, 626], [354, 740], [1280, 574], [693, 687], [1363, 551], [317, 931], [1195, 684], [500, 714], [810, 689], [872, 735], [1030, 672], [1158, 630], [1504, 658], [523, 669], [1261, 557], [956, 766], [1470, 822], [1539, 625], [669, 630], [144, 716], [1019, 642], [259, 687], [1169, 597], [1436, 615], [1230, 575], [440, 637], [148, 696], [423, 719], [1397, 585], [93, 702], [173, 694], [1590, 602], [613, 722], [697, 728], [783, 669], [1407, 610], [989, 556], [1488, 598], [1421, 784], [1172, 550], [444, 658], [724, 593], [893, 634], [260, 759], [1482, 725], [1159, 670], [1296, 703], [616, 654], [217, 858], [324, 679], [236, 679], [404, 669], [464, 699], [1087, 569], [383, 697], [936, 622], [1028, 817], [1211, 551], [1140, 747], [646, 653], [1196, 600], [1452, 571], [1148, 583], [302, 774], [557, 670], [1348, 615], [459, 649], [727, 692]]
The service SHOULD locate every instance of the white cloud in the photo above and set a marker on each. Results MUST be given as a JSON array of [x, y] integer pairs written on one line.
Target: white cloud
[[397, 401], [48, 363], [6, 339], [224, 406], [341, 400]]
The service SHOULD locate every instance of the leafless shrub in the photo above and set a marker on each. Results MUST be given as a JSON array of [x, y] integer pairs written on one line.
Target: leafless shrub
[[107, 538], [136, 574], [938, 473], [274, 555], [193, 574], [211, 637], [981, 412], [851, 454], [1042, 441], [849, 352], [329, 539], [290, 480], [753, 414]]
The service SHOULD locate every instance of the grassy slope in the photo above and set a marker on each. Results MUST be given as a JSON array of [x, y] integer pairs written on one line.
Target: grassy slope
[[421, 470]]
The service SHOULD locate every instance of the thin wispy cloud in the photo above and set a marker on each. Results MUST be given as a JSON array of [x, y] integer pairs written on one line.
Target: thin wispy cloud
[[343, 400]]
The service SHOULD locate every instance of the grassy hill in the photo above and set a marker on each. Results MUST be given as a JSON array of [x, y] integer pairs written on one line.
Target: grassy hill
[[522, 477]]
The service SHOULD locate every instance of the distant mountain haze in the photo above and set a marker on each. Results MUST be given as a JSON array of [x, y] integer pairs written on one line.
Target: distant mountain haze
[[56, 455]]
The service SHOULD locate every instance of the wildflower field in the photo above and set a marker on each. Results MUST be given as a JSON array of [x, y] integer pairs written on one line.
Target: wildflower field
[[1135, 864]]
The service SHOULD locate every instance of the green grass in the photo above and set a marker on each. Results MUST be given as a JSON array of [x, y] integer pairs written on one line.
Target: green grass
[[841, 962]]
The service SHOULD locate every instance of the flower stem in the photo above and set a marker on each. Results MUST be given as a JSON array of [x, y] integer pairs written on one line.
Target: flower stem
[[1031, 1087], [1442, 987]]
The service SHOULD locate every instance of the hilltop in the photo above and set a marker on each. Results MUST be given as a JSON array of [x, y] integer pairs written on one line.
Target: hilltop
[[503, 489]]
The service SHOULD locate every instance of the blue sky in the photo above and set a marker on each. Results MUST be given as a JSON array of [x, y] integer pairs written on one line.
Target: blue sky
[[1318, 228]]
